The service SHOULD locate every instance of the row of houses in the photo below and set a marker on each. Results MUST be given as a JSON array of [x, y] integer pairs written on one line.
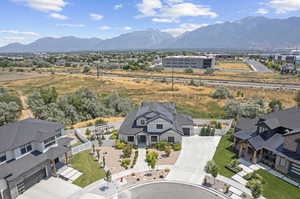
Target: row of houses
[[32, 149]]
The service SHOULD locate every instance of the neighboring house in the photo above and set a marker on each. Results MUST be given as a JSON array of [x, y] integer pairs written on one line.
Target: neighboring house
[[30, 150], [273, 139], [154, 122]]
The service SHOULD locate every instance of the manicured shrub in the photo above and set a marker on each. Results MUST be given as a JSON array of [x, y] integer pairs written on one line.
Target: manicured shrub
[[120, 144], [125, 163], [176, 147]]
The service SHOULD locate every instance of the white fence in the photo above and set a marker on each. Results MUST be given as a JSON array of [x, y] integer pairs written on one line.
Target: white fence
[[82, 147]]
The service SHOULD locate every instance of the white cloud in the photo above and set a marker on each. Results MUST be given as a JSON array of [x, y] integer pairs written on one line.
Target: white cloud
[[16, 32], [71, 25], [127, 28], [173, 9], [44, 5], [58, 16], [149, 7], [183, 28], [104, 27], [284, 6], [165, 20], [118, 6], [262, 11], [187, 9], [96, 17]]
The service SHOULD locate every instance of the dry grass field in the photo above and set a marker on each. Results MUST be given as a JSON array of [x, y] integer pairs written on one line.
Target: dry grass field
[[233, 66], [12, 76], [189, 99]]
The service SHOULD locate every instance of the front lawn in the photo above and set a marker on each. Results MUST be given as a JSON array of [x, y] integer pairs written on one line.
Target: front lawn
[[275, 188], [223, 155], [85, 163]]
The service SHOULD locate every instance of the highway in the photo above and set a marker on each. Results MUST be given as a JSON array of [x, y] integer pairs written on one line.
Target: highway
[[257, 66]]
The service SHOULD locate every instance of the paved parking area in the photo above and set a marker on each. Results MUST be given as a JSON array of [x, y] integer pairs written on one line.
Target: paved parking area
[[196, 151], [50, 189]]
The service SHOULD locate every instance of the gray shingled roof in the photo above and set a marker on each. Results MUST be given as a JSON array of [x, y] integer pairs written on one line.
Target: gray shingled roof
[[164, 109], [22, 132], [15, 168]]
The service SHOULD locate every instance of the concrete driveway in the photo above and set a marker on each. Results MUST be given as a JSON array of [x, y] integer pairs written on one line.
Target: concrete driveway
[[50, 189], [196, 151]]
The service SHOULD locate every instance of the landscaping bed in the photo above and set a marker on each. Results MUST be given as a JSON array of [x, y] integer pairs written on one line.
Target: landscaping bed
[[163, 159]]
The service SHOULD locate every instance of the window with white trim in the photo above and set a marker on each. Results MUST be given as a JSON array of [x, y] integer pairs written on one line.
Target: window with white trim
[[2, 157], [282, 162], [25, 148], [49, 142]]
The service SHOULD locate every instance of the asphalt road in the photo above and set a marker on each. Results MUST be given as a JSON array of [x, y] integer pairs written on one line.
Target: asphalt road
[[259, 67], [168, 190]]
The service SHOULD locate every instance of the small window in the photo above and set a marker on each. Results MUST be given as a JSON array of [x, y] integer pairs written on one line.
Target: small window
[[282, 162], [171, 139], [26, 148], [153, 138], [2, 157], [49, 142], [130, 138], [142, 122], [159, 126]]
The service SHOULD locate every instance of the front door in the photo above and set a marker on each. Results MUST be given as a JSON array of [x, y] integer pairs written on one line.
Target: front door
[[142, 139]]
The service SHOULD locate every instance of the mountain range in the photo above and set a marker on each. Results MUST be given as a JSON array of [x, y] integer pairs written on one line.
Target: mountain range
[[247, 33]]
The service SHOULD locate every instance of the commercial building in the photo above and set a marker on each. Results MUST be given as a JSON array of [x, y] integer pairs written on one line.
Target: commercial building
[[155, 122], [30, 150], [188, 62]]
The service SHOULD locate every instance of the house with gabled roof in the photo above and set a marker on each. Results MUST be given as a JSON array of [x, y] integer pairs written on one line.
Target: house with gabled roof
[[273, 139], [154, 122], [30, 150]]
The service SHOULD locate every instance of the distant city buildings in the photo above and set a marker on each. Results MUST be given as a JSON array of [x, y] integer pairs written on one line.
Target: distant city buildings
[[188, 62]]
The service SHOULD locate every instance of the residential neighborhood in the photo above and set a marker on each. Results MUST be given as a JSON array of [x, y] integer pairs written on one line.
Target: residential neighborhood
[[149, 99]]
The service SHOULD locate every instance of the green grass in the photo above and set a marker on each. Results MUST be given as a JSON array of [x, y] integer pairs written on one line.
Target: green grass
[[91, 170], [275, 188], [223, 155]]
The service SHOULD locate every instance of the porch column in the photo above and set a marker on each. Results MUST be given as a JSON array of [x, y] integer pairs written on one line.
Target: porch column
[[66, 158], [254, 158], [241, 149], [53, 166]]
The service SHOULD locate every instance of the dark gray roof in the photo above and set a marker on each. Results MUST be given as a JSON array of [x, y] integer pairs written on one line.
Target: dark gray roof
[[22, 132], [164, 110], [15, 168], [289, 118], [247, 124], [128, 126]]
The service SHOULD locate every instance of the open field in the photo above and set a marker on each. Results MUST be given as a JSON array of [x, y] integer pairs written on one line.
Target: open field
[[189, 99], [12, 76], [233, 66]]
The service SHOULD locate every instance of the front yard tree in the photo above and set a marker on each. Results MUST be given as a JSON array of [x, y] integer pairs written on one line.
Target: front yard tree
[[212, 168], [127, 150], [151, 158], [168, 150], [107, 176]]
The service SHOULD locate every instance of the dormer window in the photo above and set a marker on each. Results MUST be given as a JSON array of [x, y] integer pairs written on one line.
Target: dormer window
[[2, 157], [26, 149], [142, 122]]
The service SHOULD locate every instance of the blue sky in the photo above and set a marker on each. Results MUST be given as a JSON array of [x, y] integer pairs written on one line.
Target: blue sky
[[27, 20]]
